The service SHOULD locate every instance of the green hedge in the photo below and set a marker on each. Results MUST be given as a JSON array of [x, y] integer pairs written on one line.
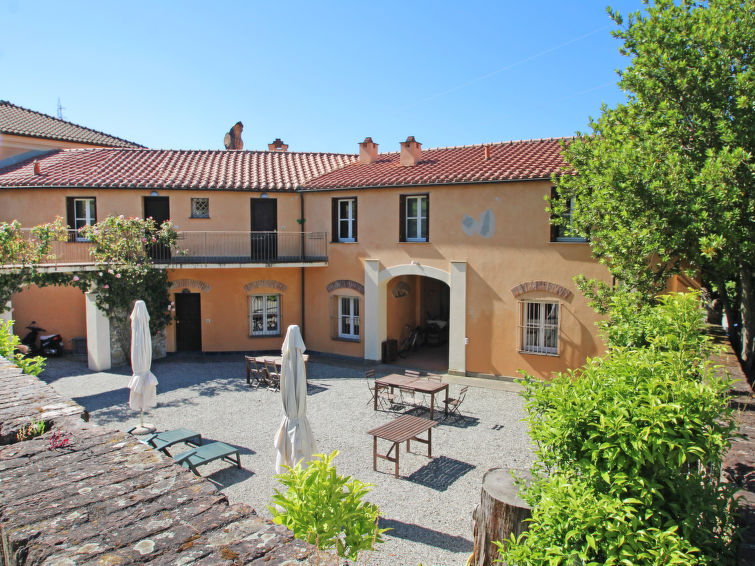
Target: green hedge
[[629, 449]]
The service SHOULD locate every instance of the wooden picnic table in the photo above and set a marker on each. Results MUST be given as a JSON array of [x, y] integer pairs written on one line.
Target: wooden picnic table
[[418, 384], [402, 429]]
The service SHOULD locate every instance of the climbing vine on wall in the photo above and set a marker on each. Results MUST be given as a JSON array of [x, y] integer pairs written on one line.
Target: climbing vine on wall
[[123, 270]]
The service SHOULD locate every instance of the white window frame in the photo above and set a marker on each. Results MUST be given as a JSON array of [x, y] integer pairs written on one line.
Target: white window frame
[[421, 220], [86, 220], [266, 314], [564, 229], [354, 320], [534, 327], [350, 219]]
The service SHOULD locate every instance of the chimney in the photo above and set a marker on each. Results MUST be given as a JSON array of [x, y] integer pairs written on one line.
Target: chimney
[[411, 151], [37, 168], [277, 145], [487, 152], [368, 151], [232, 139]]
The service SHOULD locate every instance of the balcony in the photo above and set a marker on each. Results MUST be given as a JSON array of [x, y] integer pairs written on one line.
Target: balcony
[[210, 249]]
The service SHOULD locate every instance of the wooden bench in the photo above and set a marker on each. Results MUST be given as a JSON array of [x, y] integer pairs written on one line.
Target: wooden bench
[[403, 429]]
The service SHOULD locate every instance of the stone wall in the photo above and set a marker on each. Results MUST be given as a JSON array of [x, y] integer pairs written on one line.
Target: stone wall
[[119, 357], [107, 498]]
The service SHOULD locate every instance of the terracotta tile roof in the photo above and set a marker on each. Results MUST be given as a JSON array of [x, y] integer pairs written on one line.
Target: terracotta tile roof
[[172, 169], [509, 161], [23, 122]]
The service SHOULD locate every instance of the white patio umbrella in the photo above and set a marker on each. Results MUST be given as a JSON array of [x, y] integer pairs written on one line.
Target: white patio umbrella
[[143, 384], [294, 439]]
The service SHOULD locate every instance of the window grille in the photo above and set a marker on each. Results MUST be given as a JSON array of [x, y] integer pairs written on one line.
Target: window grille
[[264, 315], [539, 326], [200, 208]]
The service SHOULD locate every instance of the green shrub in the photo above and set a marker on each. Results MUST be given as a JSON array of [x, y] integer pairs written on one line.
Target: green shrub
[[629, 451], [8, 342], [326, 509]]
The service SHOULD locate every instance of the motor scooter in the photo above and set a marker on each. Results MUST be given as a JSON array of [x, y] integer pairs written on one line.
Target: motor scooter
[[49, 344]]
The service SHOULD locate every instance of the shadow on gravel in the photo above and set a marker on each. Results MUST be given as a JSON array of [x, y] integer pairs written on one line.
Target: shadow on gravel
[[314, 389], [440, 473], [228, 476], [57, 368], [461, 422], [423, 535]]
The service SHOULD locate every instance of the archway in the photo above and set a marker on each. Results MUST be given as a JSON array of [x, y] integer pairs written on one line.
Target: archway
[[376, 302]]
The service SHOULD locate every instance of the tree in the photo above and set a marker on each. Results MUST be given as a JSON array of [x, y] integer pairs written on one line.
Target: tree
[[665, 182]]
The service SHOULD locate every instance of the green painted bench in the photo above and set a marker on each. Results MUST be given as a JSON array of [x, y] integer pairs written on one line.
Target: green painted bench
[[208, 453]]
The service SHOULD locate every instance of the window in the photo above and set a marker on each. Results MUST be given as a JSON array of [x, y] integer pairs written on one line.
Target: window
[[344, 219], [81, 211], [563, 232], [539, 325], [264, 315], [414, 224], [200, 208], [348, 318]]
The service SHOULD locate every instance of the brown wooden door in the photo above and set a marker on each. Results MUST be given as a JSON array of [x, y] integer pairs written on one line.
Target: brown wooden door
[[157, 208], [264, 223], [188, 322]]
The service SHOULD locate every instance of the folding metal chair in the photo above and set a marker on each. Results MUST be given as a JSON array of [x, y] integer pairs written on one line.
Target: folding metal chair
[[453, 404]]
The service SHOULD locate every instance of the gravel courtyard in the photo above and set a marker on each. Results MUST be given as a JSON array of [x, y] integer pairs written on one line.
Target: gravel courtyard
[[428, 509]]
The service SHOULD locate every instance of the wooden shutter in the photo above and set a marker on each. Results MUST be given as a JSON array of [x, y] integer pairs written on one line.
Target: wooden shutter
[[427, 219], [402, 218], [71, 219], [334, 322], [354, 227], [334, 219], [553, 227]]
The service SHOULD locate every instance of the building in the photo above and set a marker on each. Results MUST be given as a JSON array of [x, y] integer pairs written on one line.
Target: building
[[24, 131], [356, 249]]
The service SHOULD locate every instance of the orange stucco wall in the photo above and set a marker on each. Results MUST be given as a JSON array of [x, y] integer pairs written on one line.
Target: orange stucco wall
[[225, 305], [59, 310], [517, 251], [228, 210]]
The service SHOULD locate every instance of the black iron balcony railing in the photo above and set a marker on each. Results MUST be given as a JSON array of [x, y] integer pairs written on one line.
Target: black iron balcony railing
[[210, 247]]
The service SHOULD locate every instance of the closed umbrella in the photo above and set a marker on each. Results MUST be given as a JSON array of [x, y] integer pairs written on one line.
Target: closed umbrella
[[294, 439], [143, 383]]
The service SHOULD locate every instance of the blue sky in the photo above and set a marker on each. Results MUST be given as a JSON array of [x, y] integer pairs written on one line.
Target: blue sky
[[319, 75]]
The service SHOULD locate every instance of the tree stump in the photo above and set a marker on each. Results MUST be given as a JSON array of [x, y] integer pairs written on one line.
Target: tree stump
[[501, 512]]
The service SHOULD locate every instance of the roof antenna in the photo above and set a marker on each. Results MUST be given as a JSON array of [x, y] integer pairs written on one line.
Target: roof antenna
[[60, 110]]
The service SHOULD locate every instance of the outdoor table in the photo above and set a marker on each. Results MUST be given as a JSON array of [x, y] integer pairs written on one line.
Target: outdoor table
[[419, 384], [404, 428], [278, 360]]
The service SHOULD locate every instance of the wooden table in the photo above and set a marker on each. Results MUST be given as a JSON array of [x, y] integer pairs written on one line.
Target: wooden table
[[278, 360], [404, 428], [418, 384]]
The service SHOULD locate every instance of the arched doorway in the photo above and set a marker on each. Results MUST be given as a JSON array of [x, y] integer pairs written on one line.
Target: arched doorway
[[417, 317], [376, 306]]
